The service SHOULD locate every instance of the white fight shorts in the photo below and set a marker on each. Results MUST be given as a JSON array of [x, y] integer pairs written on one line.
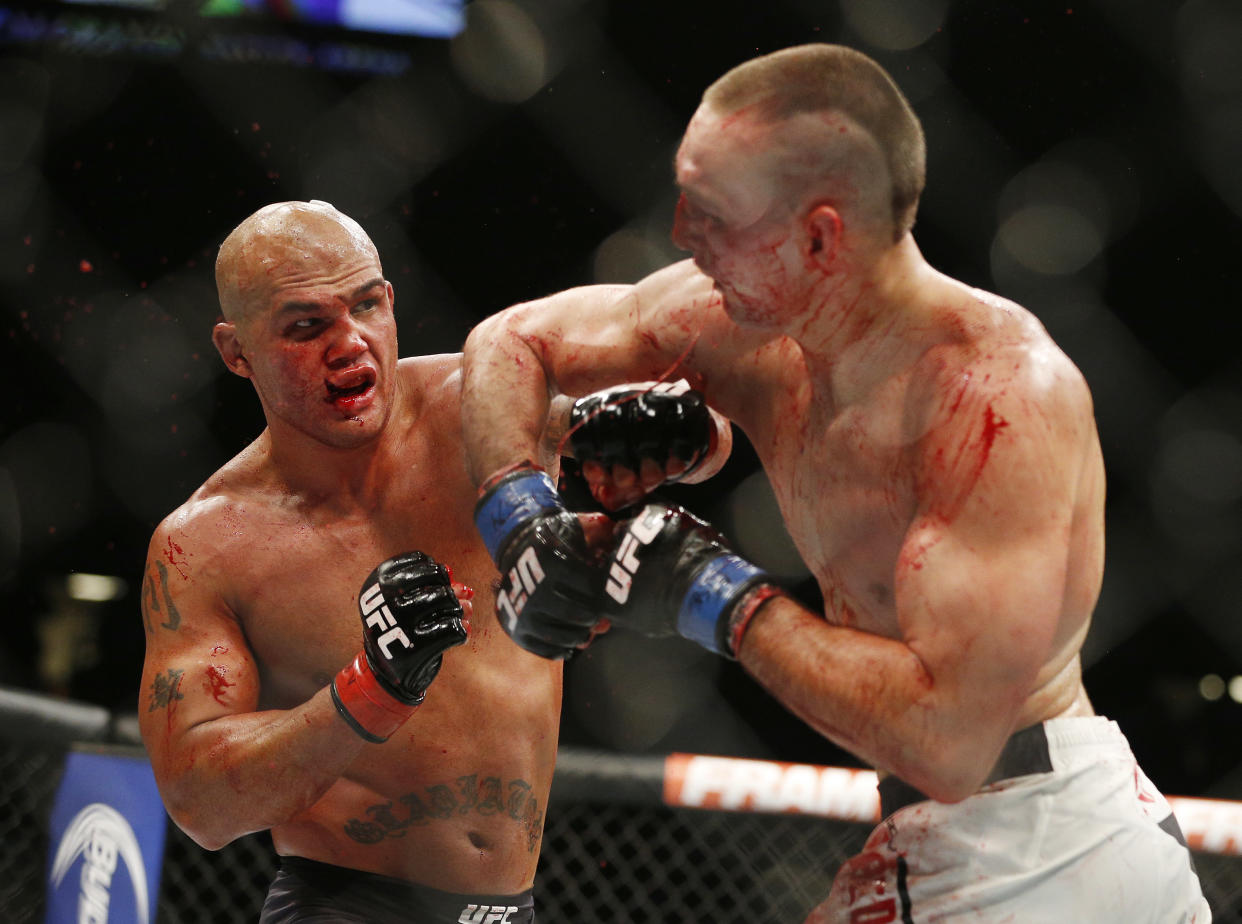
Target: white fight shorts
[[1068, 830]]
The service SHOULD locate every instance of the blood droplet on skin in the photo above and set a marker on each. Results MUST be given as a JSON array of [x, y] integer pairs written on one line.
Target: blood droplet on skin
[[993, 423], [217, 683], [171, 554]]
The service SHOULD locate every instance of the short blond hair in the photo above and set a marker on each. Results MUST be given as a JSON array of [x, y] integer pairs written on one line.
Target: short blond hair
[[822, 78]]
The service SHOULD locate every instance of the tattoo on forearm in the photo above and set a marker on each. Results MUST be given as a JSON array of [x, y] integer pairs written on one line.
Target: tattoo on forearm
[[155, 589], [444, 800], [165, 689]]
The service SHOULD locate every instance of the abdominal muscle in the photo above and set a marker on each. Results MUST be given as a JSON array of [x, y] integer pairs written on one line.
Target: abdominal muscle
[[428, 834]]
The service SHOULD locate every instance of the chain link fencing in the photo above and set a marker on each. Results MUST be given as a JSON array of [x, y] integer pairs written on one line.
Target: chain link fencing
[[609, 855]]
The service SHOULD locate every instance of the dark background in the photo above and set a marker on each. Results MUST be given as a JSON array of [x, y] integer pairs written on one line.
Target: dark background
[[1082, 160]]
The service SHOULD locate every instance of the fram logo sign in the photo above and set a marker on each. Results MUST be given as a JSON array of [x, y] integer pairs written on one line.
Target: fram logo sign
[[1213, 825], [100, 836], [698, 781]]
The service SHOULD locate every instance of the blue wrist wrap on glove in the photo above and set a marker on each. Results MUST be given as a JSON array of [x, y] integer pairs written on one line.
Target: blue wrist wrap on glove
[[712, 589], [512, 502]]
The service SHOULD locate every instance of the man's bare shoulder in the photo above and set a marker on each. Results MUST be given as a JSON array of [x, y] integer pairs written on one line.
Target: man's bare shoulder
[[431, 371], [432, 388], [217, 515], [1002, 356], [680, 283]]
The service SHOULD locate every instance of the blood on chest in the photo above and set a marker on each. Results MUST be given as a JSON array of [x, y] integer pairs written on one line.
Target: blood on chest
[[845, 490]]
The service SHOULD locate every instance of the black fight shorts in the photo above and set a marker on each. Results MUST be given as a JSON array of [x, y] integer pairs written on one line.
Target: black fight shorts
[[310, 892]]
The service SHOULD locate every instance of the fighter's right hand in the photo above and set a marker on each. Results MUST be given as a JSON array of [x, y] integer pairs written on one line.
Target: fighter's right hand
[[550, 579], [412, 613]]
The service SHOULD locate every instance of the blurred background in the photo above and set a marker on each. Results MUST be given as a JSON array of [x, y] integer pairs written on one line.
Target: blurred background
[[1083, 160]]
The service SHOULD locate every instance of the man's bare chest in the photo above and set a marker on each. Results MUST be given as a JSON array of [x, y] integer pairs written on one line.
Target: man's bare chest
[[297, 580], [846, 487]]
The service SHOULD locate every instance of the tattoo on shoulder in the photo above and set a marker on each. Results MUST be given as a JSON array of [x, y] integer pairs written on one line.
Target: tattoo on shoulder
[[157, 603], [469, 793], [165, 689]]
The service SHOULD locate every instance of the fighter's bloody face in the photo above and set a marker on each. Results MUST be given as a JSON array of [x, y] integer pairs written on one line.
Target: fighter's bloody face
[[732, 219], [323, 350]]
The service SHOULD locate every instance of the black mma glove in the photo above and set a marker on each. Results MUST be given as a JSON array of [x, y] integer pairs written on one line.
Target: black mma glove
[[672, 574], [410, 617], [549, 590], [652, 420]]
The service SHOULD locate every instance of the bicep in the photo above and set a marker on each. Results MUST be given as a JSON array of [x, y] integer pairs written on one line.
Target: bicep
[[980, 580], [197, 667]]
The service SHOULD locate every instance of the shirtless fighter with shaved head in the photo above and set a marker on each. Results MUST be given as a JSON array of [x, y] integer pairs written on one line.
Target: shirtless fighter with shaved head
[[935, 457], [317, 664]]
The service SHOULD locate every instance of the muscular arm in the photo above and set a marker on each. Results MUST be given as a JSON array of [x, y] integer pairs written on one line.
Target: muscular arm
[[223, 768], [575, 342], [980, 595]]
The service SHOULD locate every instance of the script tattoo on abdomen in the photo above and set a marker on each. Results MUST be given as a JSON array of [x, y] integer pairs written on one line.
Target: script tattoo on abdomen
[[444, 800]]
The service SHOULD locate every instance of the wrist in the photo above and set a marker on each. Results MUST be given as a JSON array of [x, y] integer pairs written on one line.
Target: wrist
[[708, 607], [365, 704], [743, 612], [509, 498]]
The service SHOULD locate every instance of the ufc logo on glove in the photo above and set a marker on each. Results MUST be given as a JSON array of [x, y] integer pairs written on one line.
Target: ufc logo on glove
[[625, 561], [376, 615], [525, 575]]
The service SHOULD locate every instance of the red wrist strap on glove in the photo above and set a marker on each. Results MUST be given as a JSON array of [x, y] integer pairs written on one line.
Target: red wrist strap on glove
[[365, 705], [744, 612]]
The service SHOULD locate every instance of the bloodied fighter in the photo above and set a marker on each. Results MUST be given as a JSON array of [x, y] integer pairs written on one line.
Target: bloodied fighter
[[935, 458], [317, 664]]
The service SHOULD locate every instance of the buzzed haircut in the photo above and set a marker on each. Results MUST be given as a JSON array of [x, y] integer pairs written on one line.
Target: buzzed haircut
[[821, 77]]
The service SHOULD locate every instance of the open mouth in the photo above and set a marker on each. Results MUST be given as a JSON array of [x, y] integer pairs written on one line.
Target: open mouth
[[347, 389]]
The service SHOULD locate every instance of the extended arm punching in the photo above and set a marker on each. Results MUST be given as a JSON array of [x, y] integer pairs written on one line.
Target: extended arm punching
[[672, 574], [551, 570]]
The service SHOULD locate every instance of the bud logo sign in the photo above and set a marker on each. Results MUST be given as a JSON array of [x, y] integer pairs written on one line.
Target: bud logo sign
[[107, 841]]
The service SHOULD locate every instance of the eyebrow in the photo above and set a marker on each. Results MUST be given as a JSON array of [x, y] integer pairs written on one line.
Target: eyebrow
[[296, 307]]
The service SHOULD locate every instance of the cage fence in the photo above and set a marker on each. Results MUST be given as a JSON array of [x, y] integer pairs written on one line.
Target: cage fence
[[610, 854]]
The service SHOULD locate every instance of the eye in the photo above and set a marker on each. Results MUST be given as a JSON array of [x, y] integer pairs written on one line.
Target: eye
[[302, 327], [366, 304]]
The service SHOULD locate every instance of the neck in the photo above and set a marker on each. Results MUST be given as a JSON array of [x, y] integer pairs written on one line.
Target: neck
[[863, 325], [342, 477]]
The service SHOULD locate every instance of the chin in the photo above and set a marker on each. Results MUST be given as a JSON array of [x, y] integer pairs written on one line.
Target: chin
[[747, 312], [353, 432]]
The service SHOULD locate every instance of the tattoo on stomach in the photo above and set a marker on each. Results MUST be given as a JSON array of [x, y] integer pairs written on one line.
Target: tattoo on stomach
[[468, 794]]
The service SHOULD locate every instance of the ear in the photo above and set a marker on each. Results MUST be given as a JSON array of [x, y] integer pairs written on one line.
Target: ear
[[823, 227], [224, 336]]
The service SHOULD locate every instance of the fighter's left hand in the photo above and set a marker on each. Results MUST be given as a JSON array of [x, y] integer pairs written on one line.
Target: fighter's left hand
[[631, 439]]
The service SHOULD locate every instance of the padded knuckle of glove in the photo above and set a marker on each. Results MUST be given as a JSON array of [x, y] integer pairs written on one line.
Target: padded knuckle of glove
[[627, 425], [672, 574], [410, 616]]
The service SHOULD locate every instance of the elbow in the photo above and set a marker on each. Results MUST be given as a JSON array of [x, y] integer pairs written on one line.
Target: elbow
[[205, 825], [950, 790], [202, 829], [949, 771]]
